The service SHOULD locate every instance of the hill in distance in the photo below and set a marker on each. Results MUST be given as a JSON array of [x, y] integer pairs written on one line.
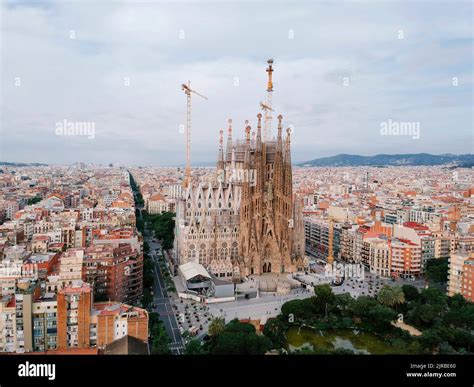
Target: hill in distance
[[417, 159]]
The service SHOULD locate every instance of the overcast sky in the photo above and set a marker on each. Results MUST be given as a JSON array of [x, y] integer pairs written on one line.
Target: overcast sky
[[341, 70]]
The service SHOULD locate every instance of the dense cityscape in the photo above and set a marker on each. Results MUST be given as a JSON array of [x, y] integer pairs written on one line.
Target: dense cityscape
[[189, 189], [109, 259]]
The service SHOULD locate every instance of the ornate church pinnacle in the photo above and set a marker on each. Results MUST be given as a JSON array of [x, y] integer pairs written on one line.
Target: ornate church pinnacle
[[229, 140], [220, 159], [280, 117], [259, 129], [247, 131], [229, 130]]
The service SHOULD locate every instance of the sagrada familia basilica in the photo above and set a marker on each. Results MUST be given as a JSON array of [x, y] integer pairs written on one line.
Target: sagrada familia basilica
[[246, 220]]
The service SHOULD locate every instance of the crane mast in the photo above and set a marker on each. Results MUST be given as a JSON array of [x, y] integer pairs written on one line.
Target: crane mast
[[187, 90]]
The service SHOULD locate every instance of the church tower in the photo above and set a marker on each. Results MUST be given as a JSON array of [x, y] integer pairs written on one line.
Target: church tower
[[245, 221], [267, 221]]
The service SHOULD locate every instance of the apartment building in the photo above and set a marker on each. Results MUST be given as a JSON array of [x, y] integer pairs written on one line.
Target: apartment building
[[70, 267], [157, 204], [467, 281], [405, 258], [115, 320], [460, 274], [378, 256], [26, 292], [44, 315], [7, 323], [317, 237], [115, 272], [74, 305]]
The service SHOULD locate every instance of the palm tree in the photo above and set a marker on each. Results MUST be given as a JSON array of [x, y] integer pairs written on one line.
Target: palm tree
[[391, 296], [216, 327]]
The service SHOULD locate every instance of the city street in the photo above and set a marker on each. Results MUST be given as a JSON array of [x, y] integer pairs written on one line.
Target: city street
[[163, 304]]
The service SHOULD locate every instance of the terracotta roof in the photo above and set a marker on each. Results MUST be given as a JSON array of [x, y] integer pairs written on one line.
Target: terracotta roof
[[127, 345], [156, 197]]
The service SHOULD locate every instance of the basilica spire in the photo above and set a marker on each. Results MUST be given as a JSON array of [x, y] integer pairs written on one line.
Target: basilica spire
[[279, 140], [287, 167], [220, 158], [247, 132], [259, 131], [228, 151], [278, 168]]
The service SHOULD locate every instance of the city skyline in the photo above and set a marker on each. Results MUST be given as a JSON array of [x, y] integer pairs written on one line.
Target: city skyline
[[195, 179], [340, 74]]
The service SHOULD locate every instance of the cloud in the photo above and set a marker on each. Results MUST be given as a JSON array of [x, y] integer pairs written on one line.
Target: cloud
[[340, 70]]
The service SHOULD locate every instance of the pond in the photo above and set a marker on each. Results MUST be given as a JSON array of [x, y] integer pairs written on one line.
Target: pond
[[352, 339]]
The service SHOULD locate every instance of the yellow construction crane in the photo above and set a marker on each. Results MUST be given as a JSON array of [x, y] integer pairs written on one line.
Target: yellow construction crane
[[265, 107], [187, 90]]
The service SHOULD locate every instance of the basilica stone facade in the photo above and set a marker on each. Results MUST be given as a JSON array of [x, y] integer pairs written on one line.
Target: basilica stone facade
[[246, 221]]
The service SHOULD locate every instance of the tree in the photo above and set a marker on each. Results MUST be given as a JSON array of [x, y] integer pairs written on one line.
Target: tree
[[34, 200], [148, 272], [239, 327], [457, 301], [163, 226], [460, 316], [344, 301], [274, 329], [146, 299], [257, 345], [229, 343], [437, 270], [363, 305], [434, 296], [195, 347], [411, 293], [239, 339], [240, 343], [381, 316], [159, 338], [391, 296], [324, 299], [153, 319], [160, 341], [422, 314], [216, 327], [138, 196], [430, 339], [295, 310]]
